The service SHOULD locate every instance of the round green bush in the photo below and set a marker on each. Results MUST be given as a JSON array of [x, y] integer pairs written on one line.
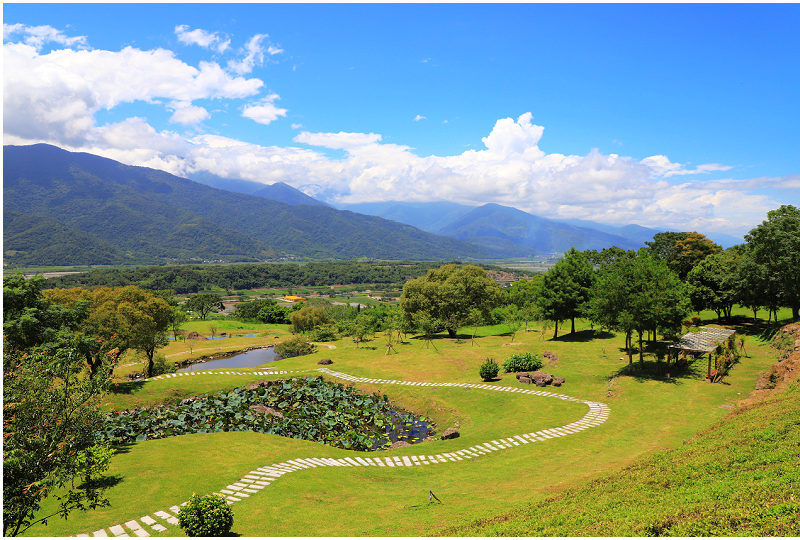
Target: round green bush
[[522, 362], [489, 370], [210, 515]]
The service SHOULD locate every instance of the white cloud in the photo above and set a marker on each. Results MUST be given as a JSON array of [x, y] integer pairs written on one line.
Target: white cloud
[[207, 40], [37, 36], [186, 114], [663, 167], [338, 141], [264, 111], [254, 55], [419, 117], [297, 126], [54, 97]]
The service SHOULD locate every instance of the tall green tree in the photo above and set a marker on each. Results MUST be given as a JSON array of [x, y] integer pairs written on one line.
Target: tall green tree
[[204, 304], [637, 295], [565, 289], [449, 293], [776, 246], [50, 417], [713, 283]]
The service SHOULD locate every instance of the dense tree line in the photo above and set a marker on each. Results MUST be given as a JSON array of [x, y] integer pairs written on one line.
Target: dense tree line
[[195, 278]]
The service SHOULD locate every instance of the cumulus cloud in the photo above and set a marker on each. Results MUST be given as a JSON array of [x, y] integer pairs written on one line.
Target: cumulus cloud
[[338, 141], [186, 114], [264, 111], [663, 167], [54, 96], [207, 40], [253, 51], [37, 36], [419, 117]]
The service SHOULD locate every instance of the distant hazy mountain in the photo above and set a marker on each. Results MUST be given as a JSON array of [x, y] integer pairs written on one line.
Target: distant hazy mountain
[[492, 222], [287, 194], [428, 216], [636, 233], [150, 213], [278, 191]]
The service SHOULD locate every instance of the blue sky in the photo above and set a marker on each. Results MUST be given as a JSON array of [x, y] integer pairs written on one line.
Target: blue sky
[[675, 116]]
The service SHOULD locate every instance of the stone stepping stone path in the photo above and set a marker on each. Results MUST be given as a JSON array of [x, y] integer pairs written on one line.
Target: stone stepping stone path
[[255, 481]]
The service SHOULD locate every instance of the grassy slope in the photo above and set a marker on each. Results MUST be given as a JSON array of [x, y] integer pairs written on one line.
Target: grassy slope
[[741, 477], [648, 415]]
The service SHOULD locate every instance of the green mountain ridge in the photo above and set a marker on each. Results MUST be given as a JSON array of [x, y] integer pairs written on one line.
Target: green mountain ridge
[[150, 213]]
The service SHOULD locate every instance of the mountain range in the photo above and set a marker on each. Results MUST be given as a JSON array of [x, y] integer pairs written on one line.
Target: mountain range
[[66, 208]]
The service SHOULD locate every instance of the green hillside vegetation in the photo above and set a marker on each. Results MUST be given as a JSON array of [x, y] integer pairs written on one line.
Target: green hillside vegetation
[[144, 211], [193, 278], [740, 477], [34, 239]]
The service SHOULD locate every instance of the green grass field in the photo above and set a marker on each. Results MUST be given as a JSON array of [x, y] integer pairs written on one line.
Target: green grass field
[[649, 414]]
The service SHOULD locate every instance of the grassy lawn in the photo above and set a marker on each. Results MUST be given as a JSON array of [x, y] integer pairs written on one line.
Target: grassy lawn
[[648, 414]]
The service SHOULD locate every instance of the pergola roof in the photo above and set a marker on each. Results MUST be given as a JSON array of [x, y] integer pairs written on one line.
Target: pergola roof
[[704, 341]]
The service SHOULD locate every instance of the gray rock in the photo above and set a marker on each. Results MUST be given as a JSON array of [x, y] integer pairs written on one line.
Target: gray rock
[[523, 374], [525, 380], [451, 433], [399, 444], [541, 378], [558, 381]]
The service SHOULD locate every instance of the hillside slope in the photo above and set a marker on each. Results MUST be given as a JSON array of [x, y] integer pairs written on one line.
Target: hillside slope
[[740, 477], [149, 212]]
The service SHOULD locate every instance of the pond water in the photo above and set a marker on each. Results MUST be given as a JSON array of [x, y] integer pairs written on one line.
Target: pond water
[[222, 337], [246, 359], [411, 432]]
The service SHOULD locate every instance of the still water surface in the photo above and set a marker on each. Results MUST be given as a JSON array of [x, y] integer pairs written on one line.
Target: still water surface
[[245, 359]]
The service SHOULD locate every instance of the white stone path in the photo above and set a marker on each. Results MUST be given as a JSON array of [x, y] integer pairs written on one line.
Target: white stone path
[[254, 481]]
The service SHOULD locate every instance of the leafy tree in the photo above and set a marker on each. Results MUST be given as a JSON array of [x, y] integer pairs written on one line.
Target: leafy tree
[[250, 310], [273, 314], [119, 318], [50, 417], [637, 295], [449, 293], [663, 245], [308, 318], [513, 318], [690, 251], [29, 319], [177, 319], [565, 289], [713, 283], [776, 246], [204, 304], [609, 255]]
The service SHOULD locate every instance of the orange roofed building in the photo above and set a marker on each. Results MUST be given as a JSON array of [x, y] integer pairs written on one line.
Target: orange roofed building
[[294, 298]]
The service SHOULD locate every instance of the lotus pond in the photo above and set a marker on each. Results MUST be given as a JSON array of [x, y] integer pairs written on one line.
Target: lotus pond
[[309, 408]]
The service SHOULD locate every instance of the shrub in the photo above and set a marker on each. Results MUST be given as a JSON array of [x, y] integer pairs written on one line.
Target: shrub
[[489, 370], [297, 346], [162, 366], [206, 516], [324, 333], [522, 362]]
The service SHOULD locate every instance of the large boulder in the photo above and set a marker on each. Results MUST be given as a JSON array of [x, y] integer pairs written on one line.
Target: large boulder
[[451, 433], [541, 378], [195, 335], [525, 380], [325, 362], [522, 374], [558, 381]]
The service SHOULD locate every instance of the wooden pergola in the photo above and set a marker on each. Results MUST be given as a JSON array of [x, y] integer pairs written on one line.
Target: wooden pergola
[[704, 341]]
